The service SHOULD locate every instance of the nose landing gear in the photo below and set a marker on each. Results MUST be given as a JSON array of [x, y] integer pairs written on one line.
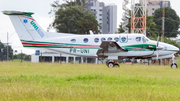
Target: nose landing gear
[[174, 66]]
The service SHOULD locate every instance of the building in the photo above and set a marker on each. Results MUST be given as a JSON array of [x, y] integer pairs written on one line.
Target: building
[[152, 5], [61, 58], [111, 19], [105, 15], [96, 8]]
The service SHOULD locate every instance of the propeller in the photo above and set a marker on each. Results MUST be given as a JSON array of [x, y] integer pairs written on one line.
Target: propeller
[[157, 49]]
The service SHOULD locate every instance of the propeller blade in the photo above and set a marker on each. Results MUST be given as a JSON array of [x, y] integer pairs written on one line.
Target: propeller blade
[[158, 48], [157, 55], [158, 41]]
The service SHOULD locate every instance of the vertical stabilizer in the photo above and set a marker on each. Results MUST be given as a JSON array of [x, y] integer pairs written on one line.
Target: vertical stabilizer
[[26, 27]]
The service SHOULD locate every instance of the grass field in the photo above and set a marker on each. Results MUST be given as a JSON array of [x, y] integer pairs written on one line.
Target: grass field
[[87, 82]]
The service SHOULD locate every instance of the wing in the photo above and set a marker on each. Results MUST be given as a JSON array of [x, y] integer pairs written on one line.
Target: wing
[[109, 47]]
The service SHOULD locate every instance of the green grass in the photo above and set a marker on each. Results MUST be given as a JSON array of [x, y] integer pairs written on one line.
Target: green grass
[[16, 60], [88, 82]]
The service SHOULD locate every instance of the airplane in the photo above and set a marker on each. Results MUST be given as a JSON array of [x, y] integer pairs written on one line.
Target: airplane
[[110, 46]]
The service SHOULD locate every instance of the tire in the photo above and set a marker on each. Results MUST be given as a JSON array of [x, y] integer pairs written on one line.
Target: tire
[[116, 65], [107, 62], [174, 66], [110, 64]]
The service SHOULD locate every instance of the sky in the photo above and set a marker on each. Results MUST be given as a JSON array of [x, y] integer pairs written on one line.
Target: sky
[[41, 9]]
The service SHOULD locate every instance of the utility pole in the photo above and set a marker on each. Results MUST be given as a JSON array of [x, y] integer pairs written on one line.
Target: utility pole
[[163, 27], [163, 23]]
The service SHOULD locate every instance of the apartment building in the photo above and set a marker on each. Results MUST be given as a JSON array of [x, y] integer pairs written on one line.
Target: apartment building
[[111, 19], [152, 5], [105, 15]]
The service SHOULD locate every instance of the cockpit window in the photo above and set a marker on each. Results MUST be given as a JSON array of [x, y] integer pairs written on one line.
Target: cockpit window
[[144, 39], [147, 39], [138, 39]]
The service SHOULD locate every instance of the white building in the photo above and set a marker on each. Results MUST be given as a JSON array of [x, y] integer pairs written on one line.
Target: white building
[[153, 5], [105, 15], [112, 18], [61, 58], [96, 8]]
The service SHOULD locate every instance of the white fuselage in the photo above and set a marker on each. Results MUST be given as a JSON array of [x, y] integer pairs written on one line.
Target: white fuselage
[[88, 45]]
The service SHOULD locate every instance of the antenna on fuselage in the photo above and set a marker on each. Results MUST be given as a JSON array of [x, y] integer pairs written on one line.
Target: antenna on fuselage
[[91, 33]]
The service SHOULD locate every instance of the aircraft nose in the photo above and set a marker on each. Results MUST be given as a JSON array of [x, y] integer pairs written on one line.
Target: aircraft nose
[[170, 47], [176, 49]]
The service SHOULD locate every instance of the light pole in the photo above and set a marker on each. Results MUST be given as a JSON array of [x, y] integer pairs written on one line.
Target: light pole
[[1, 54], [7, 48], [8, 43]]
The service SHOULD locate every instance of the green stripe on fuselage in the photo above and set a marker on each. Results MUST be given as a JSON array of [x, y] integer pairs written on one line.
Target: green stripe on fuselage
[[140, 47]]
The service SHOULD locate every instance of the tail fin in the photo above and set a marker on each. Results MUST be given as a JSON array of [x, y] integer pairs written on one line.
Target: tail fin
[[25, 26]]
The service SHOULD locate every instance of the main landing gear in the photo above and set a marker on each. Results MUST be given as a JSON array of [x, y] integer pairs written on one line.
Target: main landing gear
[[112, 63]]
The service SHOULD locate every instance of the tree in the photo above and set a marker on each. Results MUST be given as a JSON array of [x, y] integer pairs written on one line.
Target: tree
[[73, 17], [151, 30], [3, 52], [74, 20], [82, 4], [120, 30], [171, 21]]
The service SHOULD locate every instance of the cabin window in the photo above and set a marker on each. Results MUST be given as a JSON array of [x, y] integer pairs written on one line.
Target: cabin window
[[103, 39], [86, 40], [73, 40], [116, 39], [138, 39], [109, 39], [96, 40]]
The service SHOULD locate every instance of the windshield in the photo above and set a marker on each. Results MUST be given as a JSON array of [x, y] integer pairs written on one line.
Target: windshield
[[147, 39]]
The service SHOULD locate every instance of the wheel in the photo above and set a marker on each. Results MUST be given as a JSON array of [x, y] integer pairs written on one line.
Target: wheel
[[110, 65], [107, 62], [116, 65], [174, 66]]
